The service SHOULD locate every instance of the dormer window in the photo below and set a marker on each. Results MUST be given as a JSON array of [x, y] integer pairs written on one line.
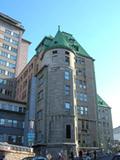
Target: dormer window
[[55, 42], [67, 53], [54, 52]]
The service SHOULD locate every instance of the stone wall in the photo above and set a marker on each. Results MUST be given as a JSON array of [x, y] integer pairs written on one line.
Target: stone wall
[[17, 155]]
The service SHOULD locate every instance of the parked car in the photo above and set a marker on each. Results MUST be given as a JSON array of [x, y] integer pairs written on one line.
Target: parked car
[[39, 158], [116, 157], [27, 158], [35, 158]]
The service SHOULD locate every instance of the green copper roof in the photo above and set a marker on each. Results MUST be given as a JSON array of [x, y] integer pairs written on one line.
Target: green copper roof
[[44, 44], [101, 102], [74, 45], [61, 40]]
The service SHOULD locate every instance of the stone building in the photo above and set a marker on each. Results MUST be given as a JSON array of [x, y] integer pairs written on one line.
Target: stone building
[[58, 85], [105, 128], [65, 115]]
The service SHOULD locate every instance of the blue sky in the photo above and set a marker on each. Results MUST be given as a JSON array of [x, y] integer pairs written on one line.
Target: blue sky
[[96, 26]]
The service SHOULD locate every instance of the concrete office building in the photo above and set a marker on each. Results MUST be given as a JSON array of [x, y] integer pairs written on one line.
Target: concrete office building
[[116, 133], [12, 115], [105, 128], [65, 107], [13, 52]]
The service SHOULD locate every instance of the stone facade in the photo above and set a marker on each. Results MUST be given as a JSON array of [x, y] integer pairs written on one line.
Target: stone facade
[[64, 118], [66, 106], [105, 127]]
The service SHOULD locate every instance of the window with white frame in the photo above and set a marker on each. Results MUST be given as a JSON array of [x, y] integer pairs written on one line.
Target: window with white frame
[[67, 105], [82, 110], [7, 31], [67, 75], [67, 89]]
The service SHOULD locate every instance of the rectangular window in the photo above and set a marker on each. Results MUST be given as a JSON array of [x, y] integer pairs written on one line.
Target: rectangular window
[[67, 90], [54, 52], [11, 75], [14, 50], [67, 75], [84, 85], [81, 84], [11, 65], [7, 39], [68, 131], [85, 97], [15, 42], [5, 46], [83, 125], [3, 62], [67, 60], [67, 53], [80, 60], [13, 57], [7, 31], [1, 138], [16, 35], [12, 139], [3, 81], [21, 109], [78, 72], [16, 109], [81, 97], [14, 123], [4, 54], [82, 110], [9, 123], [2, 71], [2, 121], [67, 105], [86, 110]]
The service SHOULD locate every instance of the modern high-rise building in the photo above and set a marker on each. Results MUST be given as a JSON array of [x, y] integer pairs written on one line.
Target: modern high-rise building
[[65, 101], [105, 128], [13, 52], [13, 48]]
